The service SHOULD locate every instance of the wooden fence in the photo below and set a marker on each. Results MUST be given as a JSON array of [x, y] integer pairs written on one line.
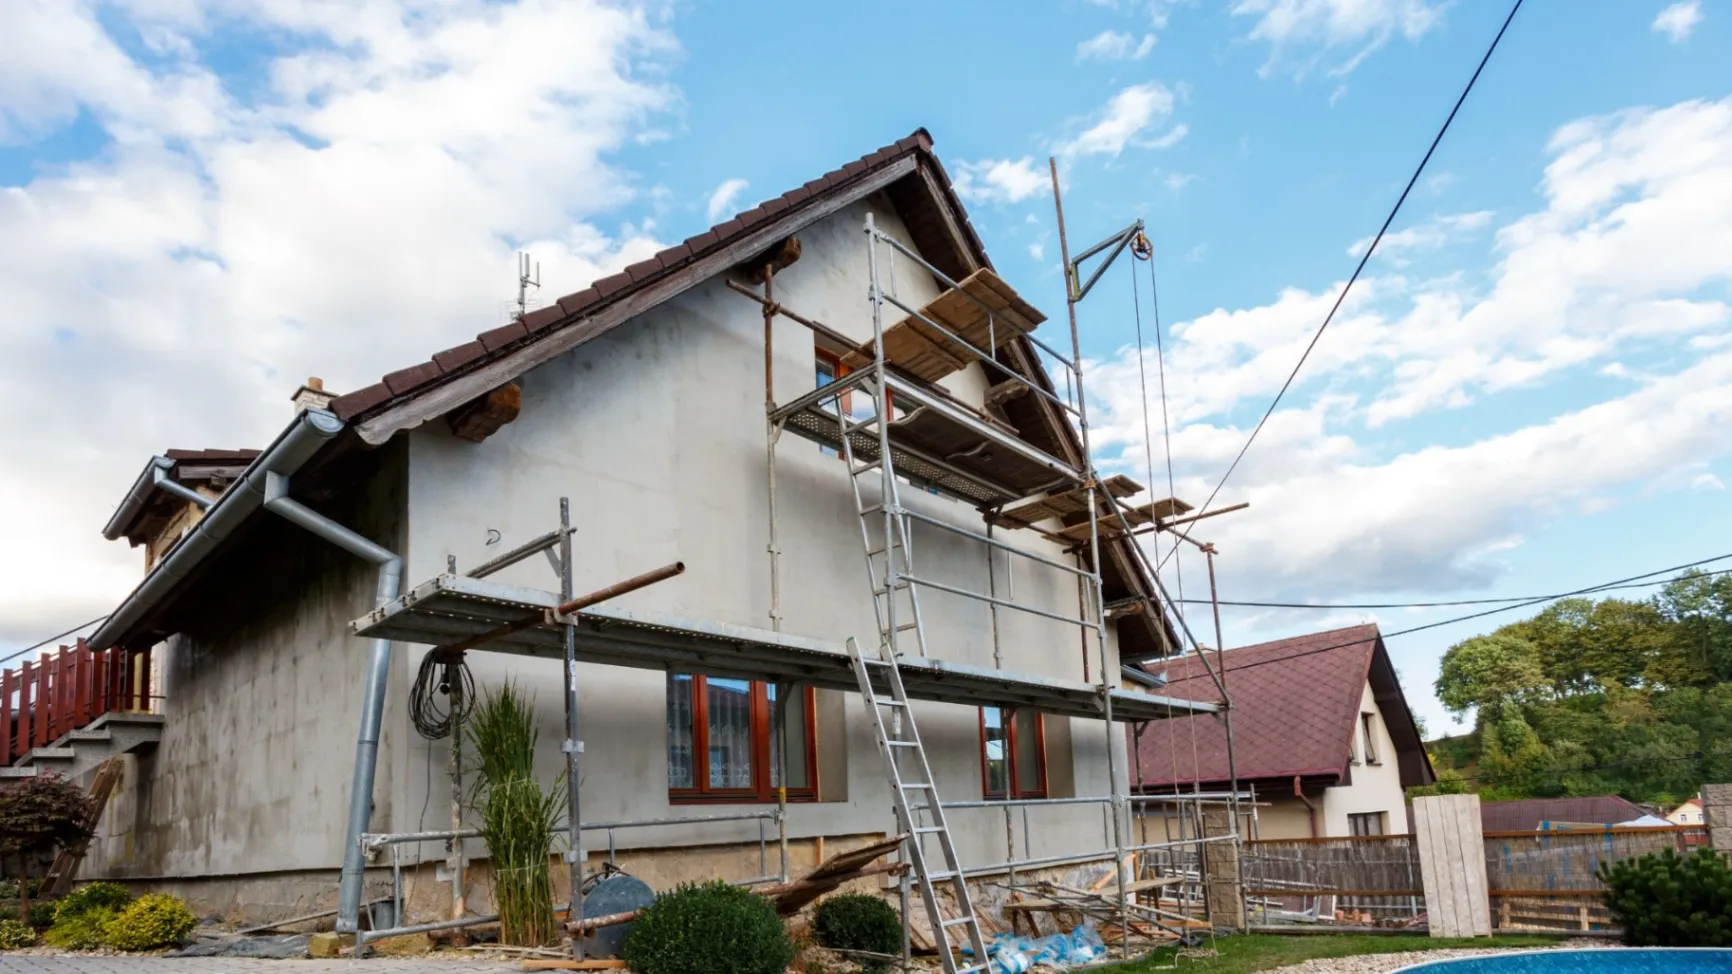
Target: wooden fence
[[1536, 880]]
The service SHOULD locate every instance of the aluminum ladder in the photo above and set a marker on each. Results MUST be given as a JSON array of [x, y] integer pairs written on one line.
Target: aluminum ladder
[[905, 764], [889, 561]]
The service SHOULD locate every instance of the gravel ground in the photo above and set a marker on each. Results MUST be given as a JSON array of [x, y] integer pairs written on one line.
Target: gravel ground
[[1384, 963]]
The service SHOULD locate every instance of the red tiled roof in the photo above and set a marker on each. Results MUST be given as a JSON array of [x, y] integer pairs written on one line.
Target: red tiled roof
[[569, 310], [1528, 814], [1295, 706]]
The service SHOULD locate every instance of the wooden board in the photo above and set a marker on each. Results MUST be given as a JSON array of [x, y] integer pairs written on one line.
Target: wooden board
[[1452, 865], [833, 872], [984, 311]]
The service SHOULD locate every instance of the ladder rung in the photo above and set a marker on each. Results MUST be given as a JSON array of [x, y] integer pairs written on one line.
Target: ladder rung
[[941, 876], [891, 703], [907, 626], [928, 829], [917, 784], [970, 969], [901, 744], [959, 921], [864, 467]]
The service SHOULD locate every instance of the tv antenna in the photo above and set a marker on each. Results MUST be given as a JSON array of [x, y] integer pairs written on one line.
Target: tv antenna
[[525, 281]]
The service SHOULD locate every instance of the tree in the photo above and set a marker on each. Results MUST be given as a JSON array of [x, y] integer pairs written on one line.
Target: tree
[[39, 817], [1487, 671]]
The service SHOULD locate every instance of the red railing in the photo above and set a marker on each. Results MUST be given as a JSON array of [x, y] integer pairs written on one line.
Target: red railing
[[44, 699]]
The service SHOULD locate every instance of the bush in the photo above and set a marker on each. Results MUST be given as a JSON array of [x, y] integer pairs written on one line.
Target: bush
[[713, 928], [517, 816], [152, 921], [42, 915], [110, 896], [87, 930], [1666, 900], [859, 921], [15, 935]]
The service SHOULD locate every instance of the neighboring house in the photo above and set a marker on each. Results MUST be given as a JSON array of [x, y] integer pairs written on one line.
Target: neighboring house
[[1321, 732], [1689, 813], [1536, 814], [642, 398]]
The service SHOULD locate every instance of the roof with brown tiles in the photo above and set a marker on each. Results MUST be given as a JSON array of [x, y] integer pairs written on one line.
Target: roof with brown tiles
[[574, 307], [1295, 708]]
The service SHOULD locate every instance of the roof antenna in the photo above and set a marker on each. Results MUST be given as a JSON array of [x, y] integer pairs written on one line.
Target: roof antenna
[[525, 281]]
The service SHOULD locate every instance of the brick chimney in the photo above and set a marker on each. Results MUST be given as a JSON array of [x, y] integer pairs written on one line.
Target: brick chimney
[[312, 396]]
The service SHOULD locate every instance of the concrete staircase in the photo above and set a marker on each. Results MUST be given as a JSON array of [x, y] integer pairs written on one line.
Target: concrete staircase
[[79, 752]]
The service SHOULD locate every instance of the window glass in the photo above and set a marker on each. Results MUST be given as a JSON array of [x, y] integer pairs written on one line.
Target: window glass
[[1366, 723], [1030, 773], [996, 744], [795, 734], [729, 703], [682, 761]]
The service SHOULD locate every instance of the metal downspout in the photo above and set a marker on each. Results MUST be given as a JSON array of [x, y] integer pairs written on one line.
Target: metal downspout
[[1299, 793], [389, 586]]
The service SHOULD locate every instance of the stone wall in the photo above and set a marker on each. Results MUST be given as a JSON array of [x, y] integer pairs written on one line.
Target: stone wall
[[1717, 803]]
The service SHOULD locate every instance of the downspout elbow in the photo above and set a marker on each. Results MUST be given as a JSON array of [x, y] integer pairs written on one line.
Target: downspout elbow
[[1310, 806]]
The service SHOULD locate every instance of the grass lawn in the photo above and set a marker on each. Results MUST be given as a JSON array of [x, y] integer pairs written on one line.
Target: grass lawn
[[1261, 952]]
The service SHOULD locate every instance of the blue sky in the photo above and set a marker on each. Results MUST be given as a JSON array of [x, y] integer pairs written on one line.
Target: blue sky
[[203, 201]]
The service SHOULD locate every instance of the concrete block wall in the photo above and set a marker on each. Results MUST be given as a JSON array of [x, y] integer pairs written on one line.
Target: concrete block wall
[[1717, 806]]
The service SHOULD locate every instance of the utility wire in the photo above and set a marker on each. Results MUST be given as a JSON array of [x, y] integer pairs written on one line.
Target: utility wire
[[1227, 667], [1437, 605], [59, 635], [1363, 260]]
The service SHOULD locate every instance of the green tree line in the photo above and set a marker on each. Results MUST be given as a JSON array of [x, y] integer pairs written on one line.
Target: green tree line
[[1590, 698]]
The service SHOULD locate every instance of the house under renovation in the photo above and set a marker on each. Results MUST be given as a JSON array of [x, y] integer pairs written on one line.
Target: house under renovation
[[828, 481]]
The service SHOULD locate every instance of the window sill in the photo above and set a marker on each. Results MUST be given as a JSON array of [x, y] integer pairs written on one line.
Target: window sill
[[738, 800]]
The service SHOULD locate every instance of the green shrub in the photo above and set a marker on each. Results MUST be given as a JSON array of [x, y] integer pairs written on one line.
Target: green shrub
[[81, 931], [41, 914], [859, 921], [713, 928], [517, 815], [16, 936], [1666, 900], [152, 921], [111, 896]]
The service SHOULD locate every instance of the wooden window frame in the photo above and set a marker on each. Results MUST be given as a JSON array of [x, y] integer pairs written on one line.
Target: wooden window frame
[[1013, 782], [763, 790]]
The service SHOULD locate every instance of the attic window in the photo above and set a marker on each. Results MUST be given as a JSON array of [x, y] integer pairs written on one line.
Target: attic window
[[1367, 726]]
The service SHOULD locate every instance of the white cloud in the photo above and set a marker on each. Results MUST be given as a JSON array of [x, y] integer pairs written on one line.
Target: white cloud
[[348, 206], [1037, 251], [1000, 180], [1630, 254], [723, 198], [1706, 481], [1123, 119], [1320, 29], [1115, 45], [1678, 20], [1431, 234], [1176, 181]]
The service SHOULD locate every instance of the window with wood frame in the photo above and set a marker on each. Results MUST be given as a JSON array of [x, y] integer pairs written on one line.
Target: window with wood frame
[[722, 745], [1367, 823], [1367, 725], [1012, 753]]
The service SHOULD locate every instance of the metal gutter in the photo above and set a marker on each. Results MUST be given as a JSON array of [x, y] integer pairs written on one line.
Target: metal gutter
[[157, 468], [292, 448]]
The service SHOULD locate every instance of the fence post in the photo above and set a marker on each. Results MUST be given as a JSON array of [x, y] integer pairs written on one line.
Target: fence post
[[1223, 894], [1717, 809], [1452, 865]]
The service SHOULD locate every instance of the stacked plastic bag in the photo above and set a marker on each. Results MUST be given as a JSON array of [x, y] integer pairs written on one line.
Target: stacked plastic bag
[[1061, 951]]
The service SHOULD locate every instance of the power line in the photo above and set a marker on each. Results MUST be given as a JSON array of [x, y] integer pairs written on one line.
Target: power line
[[1439, 605], [1227, 667], [1363, 260], [59, 635]]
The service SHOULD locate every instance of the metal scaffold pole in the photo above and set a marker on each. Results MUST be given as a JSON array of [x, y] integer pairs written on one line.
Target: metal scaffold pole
[[573, 744], [1098, 609]]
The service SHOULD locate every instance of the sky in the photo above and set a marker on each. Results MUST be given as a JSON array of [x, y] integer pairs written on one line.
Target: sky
[[1529, 391]]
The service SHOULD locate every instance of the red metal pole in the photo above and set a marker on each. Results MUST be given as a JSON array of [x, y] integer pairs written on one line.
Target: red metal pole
[[6, 685], [26, 677]]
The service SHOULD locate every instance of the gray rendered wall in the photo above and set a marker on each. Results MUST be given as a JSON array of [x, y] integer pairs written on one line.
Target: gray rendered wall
[[657, 433]]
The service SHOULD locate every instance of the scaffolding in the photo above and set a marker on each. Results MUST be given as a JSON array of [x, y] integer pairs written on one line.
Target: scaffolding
[[914, 432]]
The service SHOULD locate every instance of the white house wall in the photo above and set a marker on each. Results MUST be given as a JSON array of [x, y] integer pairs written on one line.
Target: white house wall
[[656, 432], [1375, 787]]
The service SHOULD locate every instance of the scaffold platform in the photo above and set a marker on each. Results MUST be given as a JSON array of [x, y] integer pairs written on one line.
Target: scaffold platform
[[451, 608]]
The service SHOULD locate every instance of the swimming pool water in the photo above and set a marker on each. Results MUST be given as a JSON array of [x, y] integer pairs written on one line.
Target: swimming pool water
[[1638, 961]]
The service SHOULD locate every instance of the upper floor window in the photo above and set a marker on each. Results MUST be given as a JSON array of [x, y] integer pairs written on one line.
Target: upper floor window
[[722, 744], [1368, 728], [1012, 753]]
